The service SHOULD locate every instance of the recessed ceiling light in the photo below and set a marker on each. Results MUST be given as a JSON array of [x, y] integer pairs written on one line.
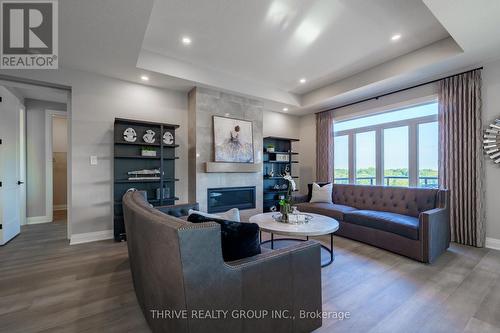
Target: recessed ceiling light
[[396, 37], [186, 40], [285, 109], [144, 78], [302, 80]]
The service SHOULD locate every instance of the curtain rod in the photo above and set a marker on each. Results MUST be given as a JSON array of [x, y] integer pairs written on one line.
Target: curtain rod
[[398, 91]]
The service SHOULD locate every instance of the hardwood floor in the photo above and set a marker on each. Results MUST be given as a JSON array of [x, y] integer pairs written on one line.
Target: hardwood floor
[[48, 286]]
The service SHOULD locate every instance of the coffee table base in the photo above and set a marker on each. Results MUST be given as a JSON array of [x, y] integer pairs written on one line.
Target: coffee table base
[[273, 241]]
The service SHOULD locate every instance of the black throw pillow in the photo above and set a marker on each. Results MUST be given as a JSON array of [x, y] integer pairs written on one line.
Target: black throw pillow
[[239, 240]]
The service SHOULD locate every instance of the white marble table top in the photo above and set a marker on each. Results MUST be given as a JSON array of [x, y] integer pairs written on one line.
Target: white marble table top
[[319, 225]]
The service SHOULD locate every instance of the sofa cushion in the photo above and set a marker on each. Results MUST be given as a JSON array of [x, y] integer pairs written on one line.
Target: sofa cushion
[[331, 210], [403, 225], [321, 193], [310, 186], [239, 240]]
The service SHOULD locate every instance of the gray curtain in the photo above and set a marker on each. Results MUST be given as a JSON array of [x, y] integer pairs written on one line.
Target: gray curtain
[[460, 156], [324, 146]]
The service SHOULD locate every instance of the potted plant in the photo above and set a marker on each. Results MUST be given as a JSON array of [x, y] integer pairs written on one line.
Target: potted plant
[[146, 151], [286, 202], [270, 148]]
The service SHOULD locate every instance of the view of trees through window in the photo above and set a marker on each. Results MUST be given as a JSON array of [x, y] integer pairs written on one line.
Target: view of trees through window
[[406, 149], [341, 159], [428, 154], [366, 158], [396, 156]]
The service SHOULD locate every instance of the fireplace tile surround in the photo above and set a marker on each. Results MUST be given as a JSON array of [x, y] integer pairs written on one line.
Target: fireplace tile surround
[[203, 104]]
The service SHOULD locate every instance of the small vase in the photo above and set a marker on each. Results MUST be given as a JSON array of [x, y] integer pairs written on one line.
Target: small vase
[[285, 211]]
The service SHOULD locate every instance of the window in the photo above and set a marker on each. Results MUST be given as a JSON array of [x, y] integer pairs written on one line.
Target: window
[[341, 159], [396, 156], [366, 158], [428, 154], [394, 148]]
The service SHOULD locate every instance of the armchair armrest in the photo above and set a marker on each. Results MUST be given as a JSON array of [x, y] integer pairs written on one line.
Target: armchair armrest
[[434, 232], [277, 254]]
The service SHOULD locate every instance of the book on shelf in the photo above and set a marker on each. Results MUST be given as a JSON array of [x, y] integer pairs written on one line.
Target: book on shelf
[[143, 178]]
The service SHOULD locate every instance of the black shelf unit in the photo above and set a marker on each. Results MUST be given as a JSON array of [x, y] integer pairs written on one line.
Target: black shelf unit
[[127, 157], [282, 146]]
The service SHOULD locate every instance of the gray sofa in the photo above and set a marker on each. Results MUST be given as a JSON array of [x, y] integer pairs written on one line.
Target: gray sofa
[[177, 265], [413, 222]]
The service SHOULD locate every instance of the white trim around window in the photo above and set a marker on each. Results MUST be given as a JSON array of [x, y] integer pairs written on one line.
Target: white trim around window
[[413, 144]]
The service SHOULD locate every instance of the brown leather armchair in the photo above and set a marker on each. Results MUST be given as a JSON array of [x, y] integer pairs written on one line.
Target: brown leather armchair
[[178, 266]]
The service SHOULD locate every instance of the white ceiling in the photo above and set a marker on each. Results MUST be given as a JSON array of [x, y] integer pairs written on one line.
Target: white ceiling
[[277, 42], [258, 48], [105, 37]]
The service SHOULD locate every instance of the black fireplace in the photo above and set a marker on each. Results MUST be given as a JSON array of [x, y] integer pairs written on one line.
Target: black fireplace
[[225, 198]]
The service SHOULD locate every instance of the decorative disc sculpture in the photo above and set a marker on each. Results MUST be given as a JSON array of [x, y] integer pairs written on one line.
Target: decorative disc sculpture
[[149, 137], [491, 141], [129, 135], [168, 138]]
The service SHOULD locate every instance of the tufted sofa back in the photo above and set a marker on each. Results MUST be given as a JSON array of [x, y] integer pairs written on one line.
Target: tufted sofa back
[[409, 201]]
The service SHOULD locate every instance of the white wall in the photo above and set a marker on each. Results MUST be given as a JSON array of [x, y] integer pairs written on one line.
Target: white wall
[[35, 155], [393, 101], [96, 101], [491, 111], [308, 151], [281, 124]]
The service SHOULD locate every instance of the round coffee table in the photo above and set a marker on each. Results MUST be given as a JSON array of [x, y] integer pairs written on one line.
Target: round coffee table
[[319, 225]]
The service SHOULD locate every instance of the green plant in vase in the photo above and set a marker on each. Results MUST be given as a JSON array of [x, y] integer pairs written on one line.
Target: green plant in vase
[[286, 202], [147, 151]]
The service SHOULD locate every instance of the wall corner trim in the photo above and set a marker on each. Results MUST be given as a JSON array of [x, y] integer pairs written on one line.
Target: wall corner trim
[[492, 243], [91, 237]]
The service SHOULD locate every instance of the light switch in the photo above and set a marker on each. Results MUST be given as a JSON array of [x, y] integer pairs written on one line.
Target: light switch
[[93, 160]]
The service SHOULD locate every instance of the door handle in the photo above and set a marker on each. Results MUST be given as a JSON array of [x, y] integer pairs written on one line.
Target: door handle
[[19, 182]]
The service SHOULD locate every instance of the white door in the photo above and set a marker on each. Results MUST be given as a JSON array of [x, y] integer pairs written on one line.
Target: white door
[[22, 164], [10, 189]]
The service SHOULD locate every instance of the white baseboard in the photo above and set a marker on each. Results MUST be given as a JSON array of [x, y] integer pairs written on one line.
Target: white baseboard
[[59, 207], [493, 243], [91, 237], [38, 219]]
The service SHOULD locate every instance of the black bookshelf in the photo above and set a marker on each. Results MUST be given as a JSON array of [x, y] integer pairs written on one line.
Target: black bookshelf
[[128, 157], [283, 147]]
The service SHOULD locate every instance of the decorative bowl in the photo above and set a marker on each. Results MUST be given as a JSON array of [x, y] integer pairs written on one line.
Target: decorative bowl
[[278, 217]]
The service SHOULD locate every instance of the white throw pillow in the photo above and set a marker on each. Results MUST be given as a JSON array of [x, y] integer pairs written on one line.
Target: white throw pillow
[[322, 193], [231, 215]]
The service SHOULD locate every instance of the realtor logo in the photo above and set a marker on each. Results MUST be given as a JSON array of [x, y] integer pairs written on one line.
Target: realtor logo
[[29, 36]]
